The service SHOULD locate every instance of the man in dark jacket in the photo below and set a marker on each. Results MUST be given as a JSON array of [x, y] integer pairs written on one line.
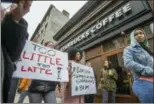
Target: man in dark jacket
[[14, 35]]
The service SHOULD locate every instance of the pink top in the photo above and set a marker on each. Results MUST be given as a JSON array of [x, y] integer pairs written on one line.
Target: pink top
[[150, 79], [67, 98]]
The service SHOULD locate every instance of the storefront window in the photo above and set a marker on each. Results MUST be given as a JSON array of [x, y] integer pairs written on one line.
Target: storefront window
[[147, 30], [123, 82], [151, 41], [150, 35], [108, 46], [115, 44]]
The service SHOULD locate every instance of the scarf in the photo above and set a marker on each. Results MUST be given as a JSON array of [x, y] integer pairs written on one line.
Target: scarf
[[147, 49]]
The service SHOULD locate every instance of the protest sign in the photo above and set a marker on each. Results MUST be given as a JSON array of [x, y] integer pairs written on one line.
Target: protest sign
[[83, 80], [40, 62]]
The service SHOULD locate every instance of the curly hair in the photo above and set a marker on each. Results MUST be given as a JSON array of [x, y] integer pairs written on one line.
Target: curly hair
[[72, 53]]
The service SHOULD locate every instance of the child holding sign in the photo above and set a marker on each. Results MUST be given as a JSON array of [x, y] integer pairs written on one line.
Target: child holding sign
[[74, 54]]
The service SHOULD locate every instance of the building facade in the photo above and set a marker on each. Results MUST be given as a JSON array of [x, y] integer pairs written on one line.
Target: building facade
[[51, 23], [102, 29]]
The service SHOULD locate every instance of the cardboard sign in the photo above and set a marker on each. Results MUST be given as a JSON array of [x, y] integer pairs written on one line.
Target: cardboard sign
[[40, 62], [83, 80]]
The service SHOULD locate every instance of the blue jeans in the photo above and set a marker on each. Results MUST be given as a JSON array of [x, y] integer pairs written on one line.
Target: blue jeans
[[144, 90], [108, 96], [48, 97], [22, 97]]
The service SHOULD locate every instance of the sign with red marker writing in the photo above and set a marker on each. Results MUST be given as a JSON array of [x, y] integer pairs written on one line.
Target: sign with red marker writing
[[43, 63], [83, 80]]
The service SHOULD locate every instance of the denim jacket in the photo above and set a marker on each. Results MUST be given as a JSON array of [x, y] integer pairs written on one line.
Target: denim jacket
[[138, 60]]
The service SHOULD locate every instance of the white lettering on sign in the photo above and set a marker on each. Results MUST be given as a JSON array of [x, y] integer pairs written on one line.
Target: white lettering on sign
[[105, 21], [117, 14], [99, 25], [93, 29], [111, 17], [87, 33], [83, 36], [126, 8]]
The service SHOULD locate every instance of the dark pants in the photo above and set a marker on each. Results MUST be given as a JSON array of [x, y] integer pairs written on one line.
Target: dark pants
[[108, 96], [89, 98], [22, 97], [48, 97], [7, 82], [12, 91], [2, 74], [9, 68]]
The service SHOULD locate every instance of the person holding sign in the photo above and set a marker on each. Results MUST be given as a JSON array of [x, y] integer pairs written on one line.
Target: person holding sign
[[108, 83], [90, 98], [43, 90], [74, 54]]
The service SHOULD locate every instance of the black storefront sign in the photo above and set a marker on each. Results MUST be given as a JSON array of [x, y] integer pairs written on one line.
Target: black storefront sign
[[122, 16]]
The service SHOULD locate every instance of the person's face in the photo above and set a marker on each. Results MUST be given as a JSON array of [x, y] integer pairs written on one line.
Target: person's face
[[106, 64], [139, 36], [78, 56], [50, 45]]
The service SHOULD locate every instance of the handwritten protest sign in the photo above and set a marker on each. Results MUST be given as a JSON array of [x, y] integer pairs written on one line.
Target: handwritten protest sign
[[83, 80], [40, 62]]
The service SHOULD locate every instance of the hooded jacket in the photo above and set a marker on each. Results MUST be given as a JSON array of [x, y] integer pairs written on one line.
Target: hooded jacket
[[138, 60]]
